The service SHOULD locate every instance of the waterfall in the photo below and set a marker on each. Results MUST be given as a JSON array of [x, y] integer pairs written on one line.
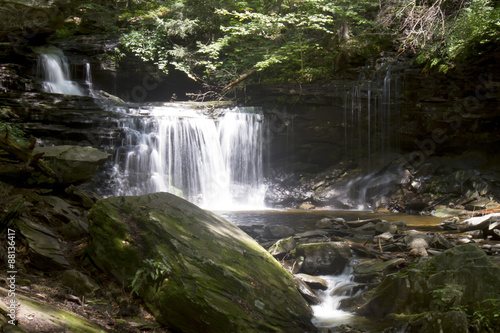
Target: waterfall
[[327, 314], [214, 163], [53, 70], [88, 79], [369, 112]]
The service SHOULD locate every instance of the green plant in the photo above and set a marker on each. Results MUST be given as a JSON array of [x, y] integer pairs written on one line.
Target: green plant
[[152, 274]]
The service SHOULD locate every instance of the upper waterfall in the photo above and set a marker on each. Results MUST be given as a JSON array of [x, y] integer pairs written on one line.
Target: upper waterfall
[[53, 71], [215, 163]]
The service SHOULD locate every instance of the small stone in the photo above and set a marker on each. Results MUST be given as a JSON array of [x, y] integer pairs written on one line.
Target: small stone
[[385, 237]]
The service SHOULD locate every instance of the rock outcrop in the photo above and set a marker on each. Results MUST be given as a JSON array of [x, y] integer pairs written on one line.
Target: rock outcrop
[[195, 271], [462, 277]]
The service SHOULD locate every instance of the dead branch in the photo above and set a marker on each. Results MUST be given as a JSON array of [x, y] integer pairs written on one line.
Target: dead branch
[[25, 155]]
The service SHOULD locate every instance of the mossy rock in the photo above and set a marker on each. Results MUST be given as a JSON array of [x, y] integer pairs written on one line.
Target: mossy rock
[[196, 271], [460, 277]]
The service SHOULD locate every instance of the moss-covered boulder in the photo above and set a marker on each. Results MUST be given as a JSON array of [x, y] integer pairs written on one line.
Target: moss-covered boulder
[[462, 277], [323, 258], [196, 271], [73, 164]]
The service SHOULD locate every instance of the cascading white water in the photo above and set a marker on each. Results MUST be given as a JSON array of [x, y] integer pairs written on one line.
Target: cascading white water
[[53, 70], [327, 314], [88, 79], [216, 164]]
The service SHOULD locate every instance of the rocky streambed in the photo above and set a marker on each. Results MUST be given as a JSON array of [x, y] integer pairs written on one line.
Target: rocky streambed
[[158, 263]]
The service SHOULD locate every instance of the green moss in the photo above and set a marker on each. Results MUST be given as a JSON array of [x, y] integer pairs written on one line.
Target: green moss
[[185, 256]]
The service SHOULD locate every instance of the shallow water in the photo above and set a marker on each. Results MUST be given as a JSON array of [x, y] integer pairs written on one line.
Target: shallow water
[[306, 220]]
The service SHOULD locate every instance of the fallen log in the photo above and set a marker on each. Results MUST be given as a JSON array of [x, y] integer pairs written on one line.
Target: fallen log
[[240, 79], [363, 249], [25, 155]]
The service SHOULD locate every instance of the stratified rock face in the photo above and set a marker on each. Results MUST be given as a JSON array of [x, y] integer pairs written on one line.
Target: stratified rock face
[[21, 20], [208, 275], [459, 277]]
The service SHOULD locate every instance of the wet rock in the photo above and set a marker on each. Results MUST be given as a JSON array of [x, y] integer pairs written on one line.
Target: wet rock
[[218, 277], [447, 212], [73, 164], [324, 223], [384, 238], [297, 265], [282, 247], [307, 292], [384, 226], [313, 281], [462, 276], [313, 233], [439, 242], [360, 223], [450, 223], [370, 226], [79, 283], [418, 242], [372, 271], [44, 249], [278, 231], [324, 258]]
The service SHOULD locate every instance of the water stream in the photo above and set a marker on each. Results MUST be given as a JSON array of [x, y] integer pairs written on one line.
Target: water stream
[[54, 72], [214, 163]]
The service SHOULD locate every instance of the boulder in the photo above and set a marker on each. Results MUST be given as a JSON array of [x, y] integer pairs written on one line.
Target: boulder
[[278, 231], [282, 247], [43, 247], [375, 270], [418, 242], [461, 277], [73, 164], [196, 271], [307, 292], [313, 281], [324, 258], [384, 226]]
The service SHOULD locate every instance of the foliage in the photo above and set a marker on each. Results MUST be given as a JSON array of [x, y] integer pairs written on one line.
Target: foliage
[[443, 32], [14, 132], [483, 316], [297, 41], [152, 274]]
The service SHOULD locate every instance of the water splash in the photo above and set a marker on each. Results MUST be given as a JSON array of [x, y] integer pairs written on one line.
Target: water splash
[[214, 163], [53, 70], [327, 314]]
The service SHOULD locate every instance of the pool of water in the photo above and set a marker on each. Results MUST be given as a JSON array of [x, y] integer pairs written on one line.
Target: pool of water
[[306, 220]]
